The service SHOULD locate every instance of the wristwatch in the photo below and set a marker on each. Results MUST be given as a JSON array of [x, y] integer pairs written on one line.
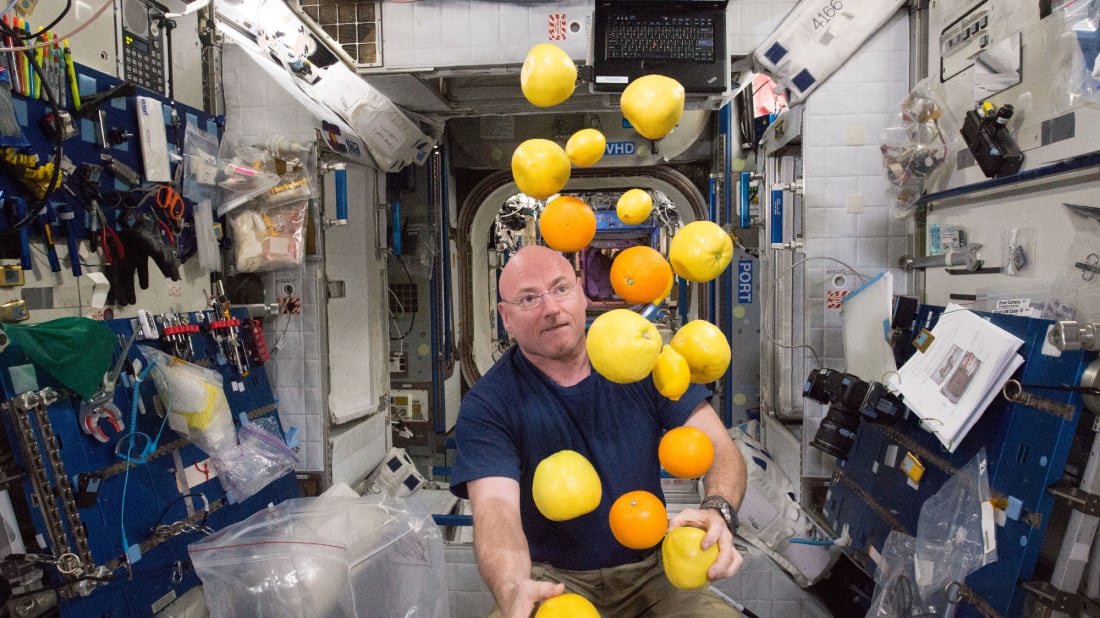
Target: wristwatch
[[725, 509]]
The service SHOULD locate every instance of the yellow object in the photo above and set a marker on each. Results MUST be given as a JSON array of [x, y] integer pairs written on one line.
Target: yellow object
[[685, 563], [912, 467], [566, 486], [585, 147], [623, 346], [548, 75], [634, 206], [567, 224], [653, 104], [705, 348], [700, 251], [201, 419], [686, 452], [540, 168], [568, 605], [671, 374]]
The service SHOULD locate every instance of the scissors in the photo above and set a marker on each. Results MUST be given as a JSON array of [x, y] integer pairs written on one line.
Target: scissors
[[1089, 267], [171, 202]]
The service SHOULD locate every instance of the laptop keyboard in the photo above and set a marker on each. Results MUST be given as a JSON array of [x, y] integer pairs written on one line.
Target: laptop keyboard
[[648, 37]]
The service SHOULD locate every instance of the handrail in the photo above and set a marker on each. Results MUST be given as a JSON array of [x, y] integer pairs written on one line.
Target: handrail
[[1065, 166]]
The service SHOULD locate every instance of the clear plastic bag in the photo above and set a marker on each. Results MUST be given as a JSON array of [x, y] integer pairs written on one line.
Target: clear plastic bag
[[328, 556], [268, 238], [1074, 59], [200, 164], [260, 458], [955, 529], [896, 592], [195, 400], [244, 172], [915, 149]]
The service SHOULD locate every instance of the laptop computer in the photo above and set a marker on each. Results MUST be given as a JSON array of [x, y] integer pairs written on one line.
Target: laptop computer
[[684, 39]]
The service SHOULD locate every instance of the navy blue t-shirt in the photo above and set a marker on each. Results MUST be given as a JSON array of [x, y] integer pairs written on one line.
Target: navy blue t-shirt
[[515, 416]]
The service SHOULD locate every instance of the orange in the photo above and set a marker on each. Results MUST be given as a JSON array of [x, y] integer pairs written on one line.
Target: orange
[[568, 605], [567, 224], [686, 563], [638, 519], [686, 452], [640, 274]]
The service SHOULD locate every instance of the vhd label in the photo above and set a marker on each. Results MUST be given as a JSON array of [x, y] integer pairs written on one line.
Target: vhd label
[[619, 148]]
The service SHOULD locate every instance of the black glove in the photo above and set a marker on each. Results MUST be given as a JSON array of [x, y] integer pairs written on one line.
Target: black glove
[[140, 241]]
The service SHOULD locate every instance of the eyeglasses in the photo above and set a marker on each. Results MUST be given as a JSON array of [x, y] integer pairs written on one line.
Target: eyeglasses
[[560, 291]]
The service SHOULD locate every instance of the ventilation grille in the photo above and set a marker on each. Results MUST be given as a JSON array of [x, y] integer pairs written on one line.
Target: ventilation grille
[[355, 28], [403, 298]]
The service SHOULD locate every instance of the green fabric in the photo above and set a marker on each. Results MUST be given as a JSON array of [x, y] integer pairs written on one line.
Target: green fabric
[[76, 351]]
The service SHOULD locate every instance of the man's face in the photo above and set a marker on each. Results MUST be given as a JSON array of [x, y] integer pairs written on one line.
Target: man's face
[[554, 327]]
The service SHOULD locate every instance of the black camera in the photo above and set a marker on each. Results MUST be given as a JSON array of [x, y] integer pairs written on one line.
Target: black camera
[[985, 131], [850, 400]]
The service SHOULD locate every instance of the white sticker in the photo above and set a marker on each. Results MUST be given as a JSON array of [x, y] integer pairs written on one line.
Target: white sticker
[[923, 571], [890, 457], [989, 534]]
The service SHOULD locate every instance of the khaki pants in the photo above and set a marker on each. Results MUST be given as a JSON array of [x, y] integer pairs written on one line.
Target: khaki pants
[[634, 590]]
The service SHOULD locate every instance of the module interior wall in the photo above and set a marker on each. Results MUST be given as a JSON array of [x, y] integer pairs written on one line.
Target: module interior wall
[[848, 215], [847, 212]]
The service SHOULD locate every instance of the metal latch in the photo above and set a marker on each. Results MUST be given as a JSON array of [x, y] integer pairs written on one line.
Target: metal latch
[[1087, 503], [1054, 600]]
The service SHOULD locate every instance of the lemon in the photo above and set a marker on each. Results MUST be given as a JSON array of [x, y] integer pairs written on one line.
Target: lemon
[[540, 168], [585, 147], [700, 251], [568, 605], [623, 346], [548, 75], [566, 486], [671, 374], [703, 345], [685, 563], [634, 206], [653, 104]]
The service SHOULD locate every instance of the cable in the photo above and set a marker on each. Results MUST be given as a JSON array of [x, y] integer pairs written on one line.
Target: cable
[[49, 26], [416, 309], [68, 35], [775, 283], [282, 336], [38, 204]]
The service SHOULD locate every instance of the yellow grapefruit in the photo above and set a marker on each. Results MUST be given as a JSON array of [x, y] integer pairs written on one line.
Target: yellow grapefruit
[[623, 346], [585, 147], [671, 374], [565, 486], [540, 168], [705, 348], [548, 75], [700, 251], [634, 206], [686, 563], [568, 605], [653, 104]]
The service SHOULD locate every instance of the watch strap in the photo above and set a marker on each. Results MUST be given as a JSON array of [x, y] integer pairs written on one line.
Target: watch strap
[[724, 508]]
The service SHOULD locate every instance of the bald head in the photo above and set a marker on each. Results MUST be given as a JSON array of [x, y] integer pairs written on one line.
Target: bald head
[[523, 270]]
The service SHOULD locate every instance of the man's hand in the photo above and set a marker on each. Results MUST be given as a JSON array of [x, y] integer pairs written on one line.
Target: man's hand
[[729, 560], [527, 595]]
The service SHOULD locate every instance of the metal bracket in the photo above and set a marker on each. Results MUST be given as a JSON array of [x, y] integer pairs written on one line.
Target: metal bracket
[[1087, 503], [1054, 600]]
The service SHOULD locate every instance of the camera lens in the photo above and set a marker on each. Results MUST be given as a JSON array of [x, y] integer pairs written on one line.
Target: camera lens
[[834, 438]]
